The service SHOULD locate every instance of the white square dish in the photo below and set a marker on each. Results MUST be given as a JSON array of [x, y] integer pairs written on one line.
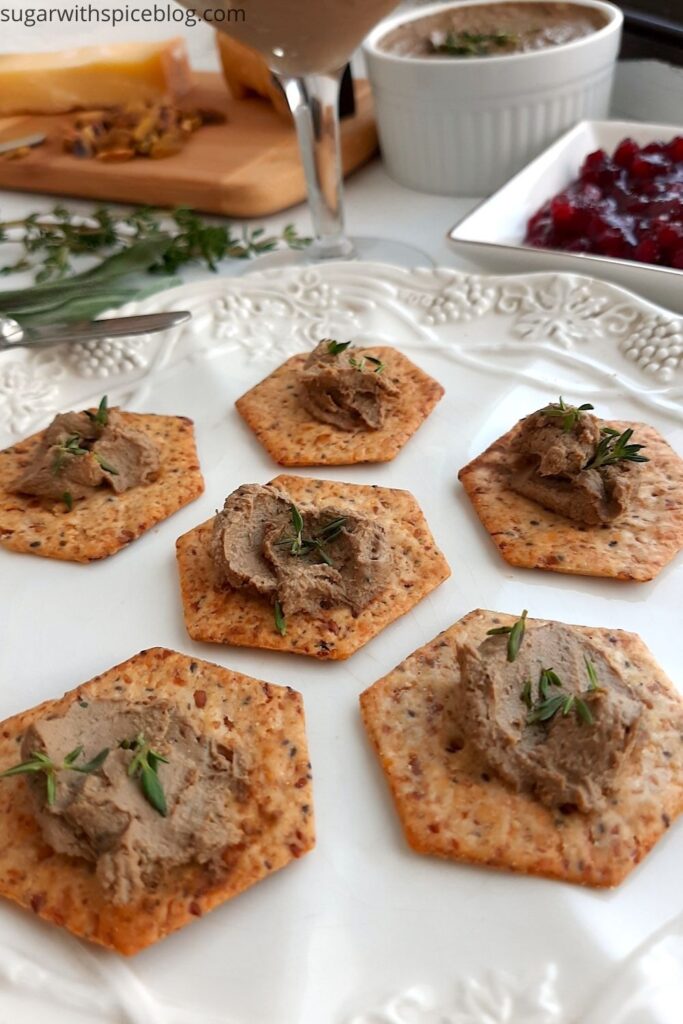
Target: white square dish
[[492, 235]]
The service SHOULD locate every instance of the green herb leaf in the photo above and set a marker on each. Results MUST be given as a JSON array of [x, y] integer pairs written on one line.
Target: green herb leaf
[[584, 712], [569, 414], [514, 633], [73, 756], [153, 790], [335, 348], [471, 44], [614, 447], [377, 363], [93, 765], [280, 624], [593, 683], [144, 765], [544, 710], [102, 414], [106, 466], [525, 694], [68, 499]]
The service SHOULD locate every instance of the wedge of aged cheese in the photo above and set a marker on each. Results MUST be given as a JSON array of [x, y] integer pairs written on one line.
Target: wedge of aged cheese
[[92, 77]]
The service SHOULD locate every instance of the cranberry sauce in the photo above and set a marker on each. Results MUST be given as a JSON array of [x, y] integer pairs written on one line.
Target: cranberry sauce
[[628, 205]]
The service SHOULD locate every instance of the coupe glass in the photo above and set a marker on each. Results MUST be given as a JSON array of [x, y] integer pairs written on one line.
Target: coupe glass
[[307, 44]]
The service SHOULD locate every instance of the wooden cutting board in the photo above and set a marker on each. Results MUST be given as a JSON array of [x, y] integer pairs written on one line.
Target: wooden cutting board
[[247, 167]]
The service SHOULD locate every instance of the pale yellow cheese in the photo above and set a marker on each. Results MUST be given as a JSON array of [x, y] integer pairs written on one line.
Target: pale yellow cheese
[[92, 77]]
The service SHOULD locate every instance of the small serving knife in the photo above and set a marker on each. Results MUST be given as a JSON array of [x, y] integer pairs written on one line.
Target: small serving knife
[[13, 335], [27, 142]]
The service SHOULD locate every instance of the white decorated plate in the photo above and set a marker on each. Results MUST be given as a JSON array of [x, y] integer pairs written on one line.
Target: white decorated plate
[[361, 930], [493, 233]]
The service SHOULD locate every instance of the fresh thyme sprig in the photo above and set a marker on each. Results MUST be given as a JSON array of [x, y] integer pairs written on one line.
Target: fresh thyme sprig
[[546, 706], [569, 414], [359, 364], [72, 446], [614, 447], [50, 241], [39, 762], [514, 633], [145, 766], [471, 44], [300, 545]]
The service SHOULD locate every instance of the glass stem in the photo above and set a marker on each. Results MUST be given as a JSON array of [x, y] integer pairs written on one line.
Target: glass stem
[[314, 102]]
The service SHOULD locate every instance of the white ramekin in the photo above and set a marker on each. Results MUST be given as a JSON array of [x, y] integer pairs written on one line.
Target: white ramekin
[[463, 127]]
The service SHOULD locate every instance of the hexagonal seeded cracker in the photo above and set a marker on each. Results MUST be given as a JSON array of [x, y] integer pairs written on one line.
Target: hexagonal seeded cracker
[[277, 814], [234, 616], [104, 522], [294, 438], [451, 805], [635, 547]]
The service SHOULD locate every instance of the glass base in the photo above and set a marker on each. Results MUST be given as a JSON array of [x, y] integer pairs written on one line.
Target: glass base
[[369, 250]]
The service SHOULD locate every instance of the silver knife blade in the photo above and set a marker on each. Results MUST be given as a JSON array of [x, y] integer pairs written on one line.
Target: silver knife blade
[[27, 140], [116, 327]]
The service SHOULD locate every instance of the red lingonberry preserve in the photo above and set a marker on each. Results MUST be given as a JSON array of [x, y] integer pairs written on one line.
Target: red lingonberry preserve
[[628, 205]]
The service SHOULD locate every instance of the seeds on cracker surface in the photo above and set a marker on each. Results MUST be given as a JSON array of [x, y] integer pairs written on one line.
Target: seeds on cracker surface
[[137, 808], [114, 474], [319, 581], [77, 455], [579, 788], [373, 401], [140, 129], [306, 559]]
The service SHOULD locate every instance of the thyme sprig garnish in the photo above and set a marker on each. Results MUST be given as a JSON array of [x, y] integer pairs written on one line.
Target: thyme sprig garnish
[[547, 705], [514, 633], [614, 447], [359, 364], [144, 765], [569, 414], [40, 762], [75, 445], [300, 545], [471, 44], [335, 348], [51, 240]]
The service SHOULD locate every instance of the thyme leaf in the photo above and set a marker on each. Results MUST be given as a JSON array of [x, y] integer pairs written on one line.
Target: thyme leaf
[[547, 706], [106, 466], [144, 766], [514, 633], [40, 762], [68, 500], [102, 414], [280, 624], [470, 44], [614, 447], [335, 348], [593, 683], [569, 414]]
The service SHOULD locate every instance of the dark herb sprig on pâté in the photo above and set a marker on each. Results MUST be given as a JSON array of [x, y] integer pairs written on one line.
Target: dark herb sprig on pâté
[[614, 447], [145, 766], [471, 44], [40, 762], [547, 705], [569, 414], [514, 633]]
